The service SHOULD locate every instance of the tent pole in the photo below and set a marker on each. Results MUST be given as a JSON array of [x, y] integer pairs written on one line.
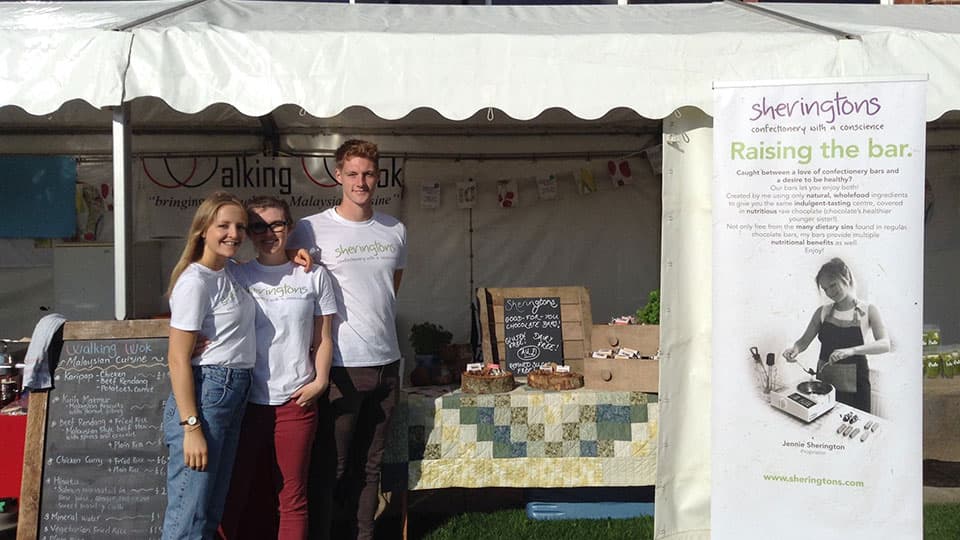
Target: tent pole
[[839, 34], [122, 203], [154, 16]]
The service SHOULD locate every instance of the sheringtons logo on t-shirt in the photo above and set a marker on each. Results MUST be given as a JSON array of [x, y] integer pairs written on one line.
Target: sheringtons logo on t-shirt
[[368, 250], [228, 297], [279, 291]]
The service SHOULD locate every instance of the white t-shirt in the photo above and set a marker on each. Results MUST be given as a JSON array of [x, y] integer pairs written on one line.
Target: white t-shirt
[[288, 298], [362, 258], [210, 303]]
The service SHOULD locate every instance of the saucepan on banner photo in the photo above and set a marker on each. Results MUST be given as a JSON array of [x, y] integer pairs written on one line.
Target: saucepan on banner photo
[[790, 385]]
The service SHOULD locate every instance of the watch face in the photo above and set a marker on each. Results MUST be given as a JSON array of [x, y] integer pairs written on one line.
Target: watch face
[[190, 421]]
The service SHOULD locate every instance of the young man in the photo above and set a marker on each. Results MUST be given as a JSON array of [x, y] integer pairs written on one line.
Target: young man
[[365, 253]]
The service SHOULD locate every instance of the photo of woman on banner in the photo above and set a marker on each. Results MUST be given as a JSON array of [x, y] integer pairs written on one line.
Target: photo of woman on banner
[[843, 326]]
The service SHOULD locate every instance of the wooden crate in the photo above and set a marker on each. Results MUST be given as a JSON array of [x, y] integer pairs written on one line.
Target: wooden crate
[[642, 337], [613, 374], [575, 317], [610, 374]]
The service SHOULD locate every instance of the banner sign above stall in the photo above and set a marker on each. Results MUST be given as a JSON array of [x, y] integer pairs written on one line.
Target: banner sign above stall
[[817, 309], [532, 333], [169, 190]]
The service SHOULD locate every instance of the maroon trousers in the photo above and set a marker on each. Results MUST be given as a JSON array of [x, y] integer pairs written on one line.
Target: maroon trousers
[[268, 490], [349, 449]]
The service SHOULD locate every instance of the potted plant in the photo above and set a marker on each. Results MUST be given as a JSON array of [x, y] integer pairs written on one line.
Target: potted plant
[[427, 338], [650, 313]]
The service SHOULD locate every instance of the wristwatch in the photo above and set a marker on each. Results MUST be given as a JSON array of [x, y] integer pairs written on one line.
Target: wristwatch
[[190, 421]]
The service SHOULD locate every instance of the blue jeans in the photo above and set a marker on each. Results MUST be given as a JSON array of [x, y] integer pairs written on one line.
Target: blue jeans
[[195, 499]]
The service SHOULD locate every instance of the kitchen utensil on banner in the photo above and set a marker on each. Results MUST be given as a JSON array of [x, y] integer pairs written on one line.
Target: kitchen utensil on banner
[[766, 371], [807, 401]]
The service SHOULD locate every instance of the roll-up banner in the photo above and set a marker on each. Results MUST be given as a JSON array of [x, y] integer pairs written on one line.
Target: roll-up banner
[[817, 309]]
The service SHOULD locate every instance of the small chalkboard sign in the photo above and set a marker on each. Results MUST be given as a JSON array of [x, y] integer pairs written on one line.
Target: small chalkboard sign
[[572, 316], [102, 474], [532, 333]]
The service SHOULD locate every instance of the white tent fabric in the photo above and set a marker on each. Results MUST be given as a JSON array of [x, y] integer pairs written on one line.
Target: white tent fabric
[[684, 461], [897, 40], [55, 52], [653, 59], [39, 72], [392, 59], [458, 59]]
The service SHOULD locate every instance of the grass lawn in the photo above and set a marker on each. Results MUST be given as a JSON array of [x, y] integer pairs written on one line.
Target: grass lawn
[[941, 522]]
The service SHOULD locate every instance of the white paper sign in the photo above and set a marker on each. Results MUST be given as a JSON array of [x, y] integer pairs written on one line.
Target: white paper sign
[[547, 187], [507, 193], [620, 172], [466, 193], [817, 259], [430, 195]]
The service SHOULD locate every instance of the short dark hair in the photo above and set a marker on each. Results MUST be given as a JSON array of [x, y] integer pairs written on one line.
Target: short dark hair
[[837, 269], [270, 202], [357, 148]]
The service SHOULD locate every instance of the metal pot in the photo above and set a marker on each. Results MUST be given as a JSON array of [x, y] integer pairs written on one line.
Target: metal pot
[[814, 387]]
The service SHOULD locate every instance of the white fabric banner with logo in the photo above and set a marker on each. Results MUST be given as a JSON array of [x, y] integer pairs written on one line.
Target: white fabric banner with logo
[[169, 190], [817, 309]]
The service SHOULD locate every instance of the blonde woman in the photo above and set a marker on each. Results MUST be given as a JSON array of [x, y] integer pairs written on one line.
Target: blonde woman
[[201, 421]]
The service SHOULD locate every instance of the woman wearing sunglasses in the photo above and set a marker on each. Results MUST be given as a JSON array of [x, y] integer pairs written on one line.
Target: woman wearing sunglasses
[[294, 310]]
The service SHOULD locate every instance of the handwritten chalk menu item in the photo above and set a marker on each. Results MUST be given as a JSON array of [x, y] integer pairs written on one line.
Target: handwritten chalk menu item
[[532, 333], [104, 461], [105, 466]]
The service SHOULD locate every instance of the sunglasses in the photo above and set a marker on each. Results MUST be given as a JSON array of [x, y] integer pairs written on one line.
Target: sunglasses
[[260, 227]]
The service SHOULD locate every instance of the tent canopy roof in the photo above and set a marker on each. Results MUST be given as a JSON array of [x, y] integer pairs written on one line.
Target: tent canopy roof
[[393, 59]]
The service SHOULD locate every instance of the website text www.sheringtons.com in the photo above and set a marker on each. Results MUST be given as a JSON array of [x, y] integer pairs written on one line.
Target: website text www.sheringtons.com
[[812, 480]]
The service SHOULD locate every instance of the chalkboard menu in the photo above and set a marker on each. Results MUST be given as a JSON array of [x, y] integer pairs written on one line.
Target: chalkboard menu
[[532, 333], [105, 462]]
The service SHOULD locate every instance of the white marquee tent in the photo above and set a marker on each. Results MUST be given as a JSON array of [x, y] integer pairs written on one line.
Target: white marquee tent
[[238, 69], [392, 59]]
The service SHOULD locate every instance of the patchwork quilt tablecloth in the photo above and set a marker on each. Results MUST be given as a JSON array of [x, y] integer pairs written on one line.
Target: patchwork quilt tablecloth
[[443, 438]]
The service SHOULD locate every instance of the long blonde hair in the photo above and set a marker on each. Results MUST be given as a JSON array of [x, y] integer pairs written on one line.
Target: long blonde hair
[[206, 213]]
